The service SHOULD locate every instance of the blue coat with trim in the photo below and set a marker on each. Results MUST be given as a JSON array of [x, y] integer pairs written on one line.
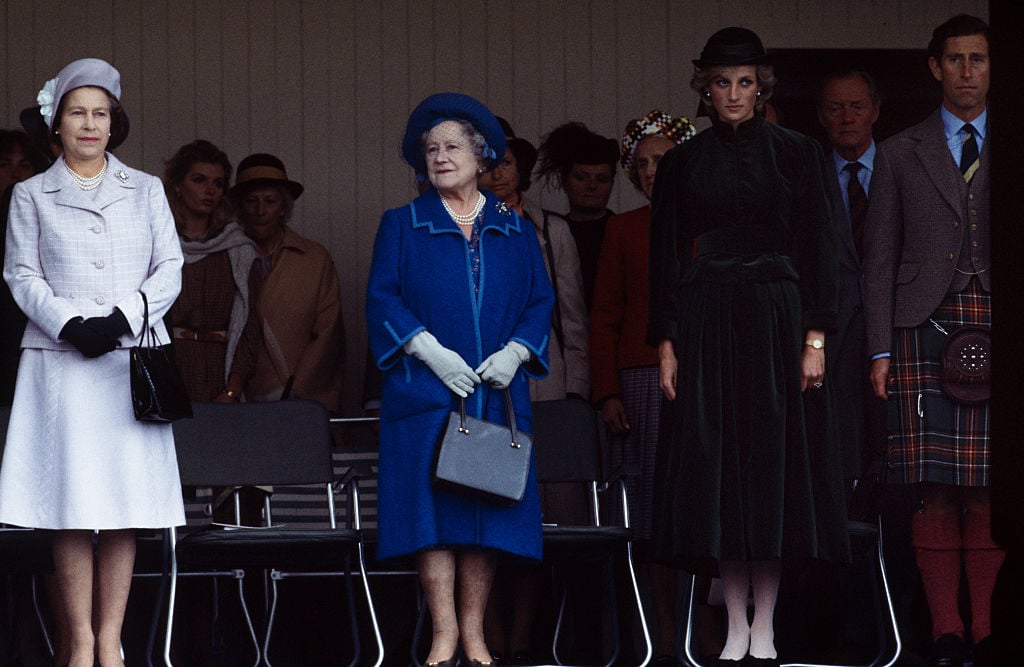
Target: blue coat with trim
[[421, 278]]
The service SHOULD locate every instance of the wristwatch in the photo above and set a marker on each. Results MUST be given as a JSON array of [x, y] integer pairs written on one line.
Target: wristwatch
[[816, 343]]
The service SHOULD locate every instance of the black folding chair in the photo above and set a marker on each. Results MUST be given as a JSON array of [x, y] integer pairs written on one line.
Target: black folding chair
[[567, 450], [254, 444]]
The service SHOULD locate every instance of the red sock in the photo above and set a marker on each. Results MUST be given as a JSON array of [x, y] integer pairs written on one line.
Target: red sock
[[937, 548], [982, 560]]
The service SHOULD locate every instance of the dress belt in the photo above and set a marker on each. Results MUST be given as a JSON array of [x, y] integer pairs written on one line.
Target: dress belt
[[744, 240], [182, 333]]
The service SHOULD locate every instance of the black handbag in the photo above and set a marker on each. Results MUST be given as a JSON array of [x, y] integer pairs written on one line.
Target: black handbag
[[158, 392], [483, 459]]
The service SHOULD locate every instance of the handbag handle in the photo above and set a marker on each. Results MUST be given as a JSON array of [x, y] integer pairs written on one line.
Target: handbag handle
[[149, 336], [509, 413]]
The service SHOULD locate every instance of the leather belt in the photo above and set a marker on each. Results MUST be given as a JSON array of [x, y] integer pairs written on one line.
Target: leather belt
[[182, 333]]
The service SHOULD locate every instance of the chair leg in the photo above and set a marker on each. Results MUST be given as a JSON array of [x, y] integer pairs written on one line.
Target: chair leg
[[371, 608], [649, 645], [270, 617], [894, 625], [172, 595], [687, 640], [240, 575], [563, 585], [39, 615]]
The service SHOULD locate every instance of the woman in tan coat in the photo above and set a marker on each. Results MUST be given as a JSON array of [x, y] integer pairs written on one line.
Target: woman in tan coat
[[299, 304]]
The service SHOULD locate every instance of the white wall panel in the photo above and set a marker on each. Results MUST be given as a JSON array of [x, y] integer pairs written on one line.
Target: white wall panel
[[328, 84]]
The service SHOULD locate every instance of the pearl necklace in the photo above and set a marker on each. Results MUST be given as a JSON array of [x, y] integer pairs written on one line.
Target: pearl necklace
[[469, 218], [87, 183]]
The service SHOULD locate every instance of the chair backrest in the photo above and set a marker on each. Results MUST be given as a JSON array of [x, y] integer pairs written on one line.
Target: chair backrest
[[565, 442], [278, 443]]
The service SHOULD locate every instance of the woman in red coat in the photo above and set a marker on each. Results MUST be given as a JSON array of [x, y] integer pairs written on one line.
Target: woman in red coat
[[623, 365]]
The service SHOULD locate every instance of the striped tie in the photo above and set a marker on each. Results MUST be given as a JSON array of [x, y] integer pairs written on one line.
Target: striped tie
[[969, 154], [858, 205]]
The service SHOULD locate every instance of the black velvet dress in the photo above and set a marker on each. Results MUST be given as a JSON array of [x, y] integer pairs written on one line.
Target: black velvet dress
[[743, 261]]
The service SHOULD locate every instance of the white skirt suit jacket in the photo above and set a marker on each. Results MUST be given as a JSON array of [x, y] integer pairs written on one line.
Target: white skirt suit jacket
[[75, 457]]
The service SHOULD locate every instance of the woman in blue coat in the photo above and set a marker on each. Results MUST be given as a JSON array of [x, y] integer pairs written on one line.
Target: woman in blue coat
[[458, 305]]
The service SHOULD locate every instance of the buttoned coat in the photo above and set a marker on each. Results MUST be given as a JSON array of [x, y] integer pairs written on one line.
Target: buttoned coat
[[70, 254], [75, 456], [421, 279], [921, 210]]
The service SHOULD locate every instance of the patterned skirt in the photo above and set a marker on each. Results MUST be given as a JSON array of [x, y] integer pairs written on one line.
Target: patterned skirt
[[932, 438], [641, 397]]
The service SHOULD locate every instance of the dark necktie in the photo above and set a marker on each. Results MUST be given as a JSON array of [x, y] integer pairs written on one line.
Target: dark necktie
[[969, 154], [858, 205]]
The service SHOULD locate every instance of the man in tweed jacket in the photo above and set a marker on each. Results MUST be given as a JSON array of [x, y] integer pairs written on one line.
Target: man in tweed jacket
[[926, 268]]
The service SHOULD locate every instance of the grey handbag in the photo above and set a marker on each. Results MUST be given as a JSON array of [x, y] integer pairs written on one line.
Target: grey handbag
[[483, 459]]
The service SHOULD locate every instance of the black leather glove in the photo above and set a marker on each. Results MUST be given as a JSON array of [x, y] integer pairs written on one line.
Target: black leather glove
[[86, 338], [113, 325]]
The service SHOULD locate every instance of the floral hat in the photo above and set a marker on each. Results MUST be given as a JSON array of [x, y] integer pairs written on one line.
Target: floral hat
[[79, 73]]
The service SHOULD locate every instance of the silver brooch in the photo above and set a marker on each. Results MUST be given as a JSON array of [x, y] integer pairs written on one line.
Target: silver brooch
[[503, 209], [122, 175]]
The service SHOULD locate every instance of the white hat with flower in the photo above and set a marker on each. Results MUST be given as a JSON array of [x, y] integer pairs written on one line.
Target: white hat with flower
[[84, 72]]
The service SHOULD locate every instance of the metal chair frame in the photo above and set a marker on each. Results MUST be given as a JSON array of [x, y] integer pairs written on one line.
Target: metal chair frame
[[255, 469]]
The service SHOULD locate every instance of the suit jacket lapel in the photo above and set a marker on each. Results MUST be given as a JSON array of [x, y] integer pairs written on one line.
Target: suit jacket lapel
[[937, 161], [115, 184], [67, 193]]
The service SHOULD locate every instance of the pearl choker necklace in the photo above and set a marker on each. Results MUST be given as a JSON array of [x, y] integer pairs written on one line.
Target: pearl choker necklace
[[469, 218], [87, 183]]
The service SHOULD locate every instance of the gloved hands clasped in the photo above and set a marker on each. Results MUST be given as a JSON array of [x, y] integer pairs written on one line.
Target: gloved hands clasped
[[501, 367], [95, 336], [446, 364]]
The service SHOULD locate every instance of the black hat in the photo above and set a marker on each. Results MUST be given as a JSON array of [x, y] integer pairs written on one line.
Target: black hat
[[262, 169], [732, 46]]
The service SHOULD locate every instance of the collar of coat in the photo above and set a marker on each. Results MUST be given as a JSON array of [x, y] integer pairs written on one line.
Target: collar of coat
[[118, 183], [428, 212]]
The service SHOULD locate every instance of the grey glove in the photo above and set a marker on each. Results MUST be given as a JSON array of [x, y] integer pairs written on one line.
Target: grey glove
[[501, 367], [447, 365]]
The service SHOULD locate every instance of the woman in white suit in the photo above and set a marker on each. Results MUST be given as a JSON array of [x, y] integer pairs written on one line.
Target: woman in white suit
[[85, 240]]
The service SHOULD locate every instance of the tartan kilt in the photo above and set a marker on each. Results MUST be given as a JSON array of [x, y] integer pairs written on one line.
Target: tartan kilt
[[932, 438]]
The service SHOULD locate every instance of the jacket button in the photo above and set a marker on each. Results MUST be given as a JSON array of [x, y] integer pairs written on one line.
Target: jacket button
[[100, 300], [974, 227], [956, 224], [97, 229], [949, 256], [99, 264]]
